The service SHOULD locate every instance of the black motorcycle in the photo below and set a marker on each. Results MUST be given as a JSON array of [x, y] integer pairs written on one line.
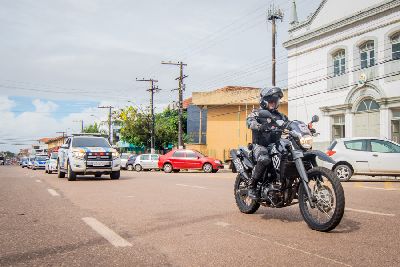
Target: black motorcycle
[[292, 174]]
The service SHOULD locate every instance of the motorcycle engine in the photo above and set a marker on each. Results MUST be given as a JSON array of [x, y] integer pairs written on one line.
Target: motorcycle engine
[[273, 195]]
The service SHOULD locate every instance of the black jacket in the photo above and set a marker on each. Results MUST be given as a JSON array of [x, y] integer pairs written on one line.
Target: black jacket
[[264, 138]]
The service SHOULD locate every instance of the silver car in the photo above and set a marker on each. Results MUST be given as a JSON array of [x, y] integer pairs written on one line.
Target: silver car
[[364, 156], [124, 160], [146, 162]]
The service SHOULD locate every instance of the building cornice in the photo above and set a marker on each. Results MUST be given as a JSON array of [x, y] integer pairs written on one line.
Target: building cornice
[[361, 15]]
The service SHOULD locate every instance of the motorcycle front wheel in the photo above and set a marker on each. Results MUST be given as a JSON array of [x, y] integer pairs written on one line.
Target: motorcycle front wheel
[[243, 201], [328, 198]]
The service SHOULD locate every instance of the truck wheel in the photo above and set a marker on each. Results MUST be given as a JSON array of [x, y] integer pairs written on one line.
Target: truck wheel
[[60, 174], [71, 174], [115, 175]]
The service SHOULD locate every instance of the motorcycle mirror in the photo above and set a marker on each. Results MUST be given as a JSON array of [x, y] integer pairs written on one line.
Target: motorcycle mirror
[[314, 118], [264, 113]]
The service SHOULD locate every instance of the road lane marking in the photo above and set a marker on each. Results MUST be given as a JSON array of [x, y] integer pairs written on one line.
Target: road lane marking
[[223, 224], [284, 245], [53, 192], [371, 212], [193, 186], [388, 185], [107, 233], [38, 181], [379, 188]]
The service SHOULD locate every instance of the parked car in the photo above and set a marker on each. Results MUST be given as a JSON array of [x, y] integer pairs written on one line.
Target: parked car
[[88, 154], [51, 163], [124, 160], [2, 160], [39, 162], [131, 162], [146, 162], [364, 156], [30, 162], [179, 159], [24, 162]]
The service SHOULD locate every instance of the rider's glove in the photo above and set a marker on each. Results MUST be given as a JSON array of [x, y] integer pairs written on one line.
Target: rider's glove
[[264, 127]]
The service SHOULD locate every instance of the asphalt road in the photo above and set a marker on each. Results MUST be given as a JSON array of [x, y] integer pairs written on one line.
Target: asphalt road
[[182, 219]]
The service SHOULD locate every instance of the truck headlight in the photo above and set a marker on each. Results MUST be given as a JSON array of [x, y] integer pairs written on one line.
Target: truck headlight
[[306, 141], [78, 154]]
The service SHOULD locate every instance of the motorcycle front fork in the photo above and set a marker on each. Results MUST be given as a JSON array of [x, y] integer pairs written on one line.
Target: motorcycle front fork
[[304, 178]]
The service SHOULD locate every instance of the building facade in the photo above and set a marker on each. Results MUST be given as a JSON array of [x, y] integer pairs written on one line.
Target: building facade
[[221, 115], [344, 65]]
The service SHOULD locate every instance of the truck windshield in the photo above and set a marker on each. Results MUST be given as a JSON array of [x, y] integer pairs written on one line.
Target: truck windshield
[[40, 158], [89, 142]]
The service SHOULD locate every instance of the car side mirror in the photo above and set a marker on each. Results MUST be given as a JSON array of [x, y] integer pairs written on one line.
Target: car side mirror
[[314, 118]]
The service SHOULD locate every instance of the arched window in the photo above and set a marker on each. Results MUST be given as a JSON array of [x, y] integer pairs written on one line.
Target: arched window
[[339, 62], [367, 54], [395, 40], [368, 105]]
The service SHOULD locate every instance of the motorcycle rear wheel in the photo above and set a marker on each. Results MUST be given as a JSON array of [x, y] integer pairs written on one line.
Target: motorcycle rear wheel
[[329, 200], [243, 201]]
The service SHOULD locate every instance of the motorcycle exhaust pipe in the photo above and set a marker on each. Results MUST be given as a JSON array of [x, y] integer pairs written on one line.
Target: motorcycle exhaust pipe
[[238, 164]]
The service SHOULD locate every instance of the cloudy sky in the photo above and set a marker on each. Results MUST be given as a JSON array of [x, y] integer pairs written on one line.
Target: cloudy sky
[[60, 59]]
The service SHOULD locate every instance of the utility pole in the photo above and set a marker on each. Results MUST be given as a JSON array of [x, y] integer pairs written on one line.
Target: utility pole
[[81, 121], [152, 90], [274, 14], [180, 89], [63, 135], [110, 134]]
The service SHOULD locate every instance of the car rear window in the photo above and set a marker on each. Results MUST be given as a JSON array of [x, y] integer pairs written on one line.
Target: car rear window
[[89, 142], [332, 145], [359, 145]]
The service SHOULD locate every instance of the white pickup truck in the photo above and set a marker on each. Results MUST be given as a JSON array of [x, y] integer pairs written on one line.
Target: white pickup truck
[[88, 155]]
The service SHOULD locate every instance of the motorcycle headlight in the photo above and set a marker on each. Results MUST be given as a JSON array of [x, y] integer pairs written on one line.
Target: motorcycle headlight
[[78, 154], [306, 141], [115, 154]]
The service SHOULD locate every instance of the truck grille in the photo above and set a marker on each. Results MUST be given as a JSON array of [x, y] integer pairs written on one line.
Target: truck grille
[[99, 159]]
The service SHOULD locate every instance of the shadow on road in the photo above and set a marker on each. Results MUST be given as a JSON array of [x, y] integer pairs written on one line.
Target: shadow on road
[[347, 225]]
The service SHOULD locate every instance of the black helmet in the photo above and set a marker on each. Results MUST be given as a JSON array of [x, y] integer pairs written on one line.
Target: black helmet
[[270, 95]]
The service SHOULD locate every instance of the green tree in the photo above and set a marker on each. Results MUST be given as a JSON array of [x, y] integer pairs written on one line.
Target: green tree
[[93, 128], [135, 126]]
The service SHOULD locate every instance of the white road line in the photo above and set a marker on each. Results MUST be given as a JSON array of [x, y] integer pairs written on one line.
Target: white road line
[[38, 181], [371, 212], [293, 248], [53, 192], [223, 224], [379, 188], [193, 186], [107, 233]]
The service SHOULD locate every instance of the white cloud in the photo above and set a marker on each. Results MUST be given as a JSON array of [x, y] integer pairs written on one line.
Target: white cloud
[[6, 103], [43, 106]]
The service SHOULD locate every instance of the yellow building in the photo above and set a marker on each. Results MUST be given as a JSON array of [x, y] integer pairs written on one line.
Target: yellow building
[[55, 143], [224, 124]]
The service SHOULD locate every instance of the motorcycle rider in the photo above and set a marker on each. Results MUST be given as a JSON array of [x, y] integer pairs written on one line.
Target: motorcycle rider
[[264, 134]]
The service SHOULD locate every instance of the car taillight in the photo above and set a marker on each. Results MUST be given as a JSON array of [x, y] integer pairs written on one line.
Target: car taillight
[[330, 153]]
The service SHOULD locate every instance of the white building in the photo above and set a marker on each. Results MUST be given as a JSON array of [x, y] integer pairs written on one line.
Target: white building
[[344, 65]]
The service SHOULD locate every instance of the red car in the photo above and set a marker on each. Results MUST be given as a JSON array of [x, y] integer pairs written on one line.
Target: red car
[[179, 159]]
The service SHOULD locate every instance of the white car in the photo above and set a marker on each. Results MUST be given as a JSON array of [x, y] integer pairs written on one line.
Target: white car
[[51, 163], [124, 160], [364, 156], [88, 154], [146, 162]]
